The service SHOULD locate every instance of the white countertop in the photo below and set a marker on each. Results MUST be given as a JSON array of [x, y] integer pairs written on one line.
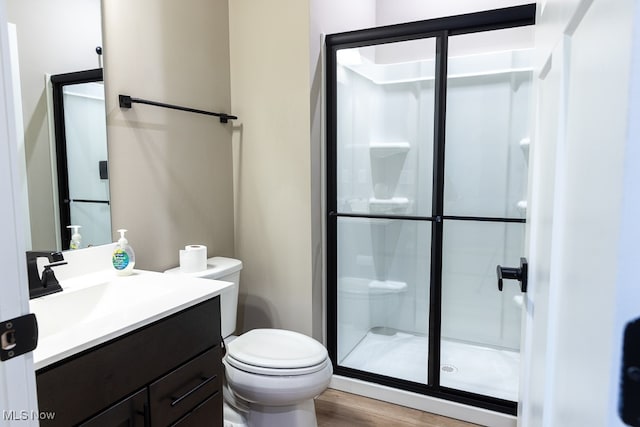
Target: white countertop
[[97, 307]]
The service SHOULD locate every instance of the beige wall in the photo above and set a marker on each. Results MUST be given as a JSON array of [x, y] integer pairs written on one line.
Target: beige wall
[[54, 37], [270, 92], [170, 171]]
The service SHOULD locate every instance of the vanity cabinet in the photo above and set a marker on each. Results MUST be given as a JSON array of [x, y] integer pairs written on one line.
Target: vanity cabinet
[[165, 373], [130, 412]]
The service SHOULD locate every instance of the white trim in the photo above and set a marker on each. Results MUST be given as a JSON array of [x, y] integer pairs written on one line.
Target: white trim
[[323, 180], [423, 403], [17, 377], [580, 11], [558, 239], [22, 157], [54, 162], [627, 290]]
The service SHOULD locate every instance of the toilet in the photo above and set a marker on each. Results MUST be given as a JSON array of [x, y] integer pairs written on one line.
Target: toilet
[[272, 375]]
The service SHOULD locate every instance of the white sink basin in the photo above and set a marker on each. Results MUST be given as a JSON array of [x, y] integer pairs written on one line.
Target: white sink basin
[[97, 307], [62, 310], [93, 301]]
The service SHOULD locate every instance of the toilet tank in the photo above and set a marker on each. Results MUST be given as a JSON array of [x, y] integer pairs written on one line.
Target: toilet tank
[[228, 270]]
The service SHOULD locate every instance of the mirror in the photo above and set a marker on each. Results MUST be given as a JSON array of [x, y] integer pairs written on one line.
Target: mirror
[[81, 158], [52, 38]]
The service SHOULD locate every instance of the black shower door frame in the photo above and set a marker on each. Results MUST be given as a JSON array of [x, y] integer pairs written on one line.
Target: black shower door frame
[[440, 29]]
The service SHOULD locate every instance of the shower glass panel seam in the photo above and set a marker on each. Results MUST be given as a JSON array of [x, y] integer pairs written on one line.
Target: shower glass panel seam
[[437, 206]]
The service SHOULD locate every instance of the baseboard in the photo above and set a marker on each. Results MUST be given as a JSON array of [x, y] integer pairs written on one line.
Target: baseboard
[[424, 403]]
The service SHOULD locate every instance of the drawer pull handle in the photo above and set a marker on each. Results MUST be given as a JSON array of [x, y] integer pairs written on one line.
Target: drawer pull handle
[[204, 382], [194, 410]]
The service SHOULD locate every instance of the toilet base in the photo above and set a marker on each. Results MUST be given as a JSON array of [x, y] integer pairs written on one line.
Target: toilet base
[[238, 413], [301, 415], [232, 418]]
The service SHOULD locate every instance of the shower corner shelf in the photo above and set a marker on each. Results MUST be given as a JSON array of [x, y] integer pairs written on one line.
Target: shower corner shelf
[[386, 149], [522, 205], [387, 286], [393, 205]]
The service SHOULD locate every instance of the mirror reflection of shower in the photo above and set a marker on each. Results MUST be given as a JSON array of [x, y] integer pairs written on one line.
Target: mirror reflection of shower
[[81, 157]]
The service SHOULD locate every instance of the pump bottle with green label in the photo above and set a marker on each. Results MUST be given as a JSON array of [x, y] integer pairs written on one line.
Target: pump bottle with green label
[[75, 236], [123, 257]]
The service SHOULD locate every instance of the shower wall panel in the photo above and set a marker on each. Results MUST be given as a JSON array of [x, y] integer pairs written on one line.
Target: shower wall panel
[[382, 140], [487, 138], [383, 281], [487, 131], [473, 309], [384, 145]]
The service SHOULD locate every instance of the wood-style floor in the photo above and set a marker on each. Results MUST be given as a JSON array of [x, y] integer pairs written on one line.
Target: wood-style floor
[[339, 409]]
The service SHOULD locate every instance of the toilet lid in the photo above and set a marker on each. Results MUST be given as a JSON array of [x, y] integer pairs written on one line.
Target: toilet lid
[[278, 372], [277, 348]]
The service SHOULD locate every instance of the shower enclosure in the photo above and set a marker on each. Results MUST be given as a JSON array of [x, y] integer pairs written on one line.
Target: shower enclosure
[[428, 135]]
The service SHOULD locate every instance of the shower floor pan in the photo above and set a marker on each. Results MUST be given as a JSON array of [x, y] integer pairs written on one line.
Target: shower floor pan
[[484, 370]]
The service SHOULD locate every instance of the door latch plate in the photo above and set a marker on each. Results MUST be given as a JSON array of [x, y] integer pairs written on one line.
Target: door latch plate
[[630, 375], [18, 336]]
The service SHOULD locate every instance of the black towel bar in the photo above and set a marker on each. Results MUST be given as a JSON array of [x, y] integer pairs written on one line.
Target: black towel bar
[[126, 101]]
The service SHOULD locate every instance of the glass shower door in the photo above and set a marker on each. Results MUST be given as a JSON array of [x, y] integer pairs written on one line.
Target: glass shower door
[[384, 157], [427, 152], [485, 193]]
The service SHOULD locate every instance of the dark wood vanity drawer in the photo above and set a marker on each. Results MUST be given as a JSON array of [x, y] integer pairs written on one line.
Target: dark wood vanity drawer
[[181, 390], [85, 384], [131, 412], [208, 413]]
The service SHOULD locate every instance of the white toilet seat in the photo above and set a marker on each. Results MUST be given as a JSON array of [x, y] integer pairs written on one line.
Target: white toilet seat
[[266, 351], [261, 370]]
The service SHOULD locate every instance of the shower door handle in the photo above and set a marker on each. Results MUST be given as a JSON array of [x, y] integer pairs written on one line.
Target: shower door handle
[[515, 273]]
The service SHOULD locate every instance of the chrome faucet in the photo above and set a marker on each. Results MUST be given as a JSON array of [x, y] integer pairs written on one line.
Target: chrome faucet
[[47, 283]]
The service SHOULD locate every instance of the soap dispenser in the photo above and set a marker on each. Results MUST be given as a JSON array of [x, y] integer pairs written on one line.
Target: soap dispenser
[[123, 257], [75, 236]]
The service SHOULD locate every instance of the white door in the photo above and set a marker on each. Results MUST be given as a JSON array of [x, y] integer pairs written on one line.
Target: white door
[[18, 402], [543, 158], [584, 214]]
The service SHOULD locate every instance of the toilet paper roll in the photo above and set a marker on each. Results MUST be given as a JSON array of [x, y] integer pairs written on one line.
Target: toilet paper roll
[[193, 258]]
